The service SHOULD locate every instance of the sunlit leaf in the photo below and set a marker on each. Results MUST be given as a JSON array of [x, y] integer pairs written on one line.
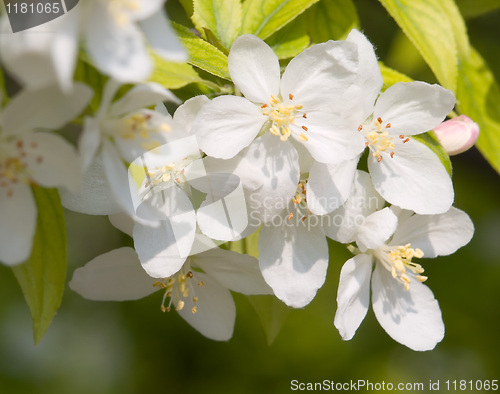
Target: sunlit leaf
[[42, 277], [173, 75], [331, 20], [221, 17], [203, 54], [478, 97], [428, 27], [264, 17], [291, 40], [392, 76]]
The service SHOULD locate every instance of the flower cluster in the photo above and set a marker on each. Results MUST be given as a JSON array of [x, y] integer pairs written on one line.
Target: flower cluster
[[279, 157]]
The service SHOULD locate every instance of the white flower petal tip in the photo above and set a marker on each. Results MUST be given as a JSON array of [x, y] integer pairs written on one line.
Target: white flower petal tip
[[458, 134]]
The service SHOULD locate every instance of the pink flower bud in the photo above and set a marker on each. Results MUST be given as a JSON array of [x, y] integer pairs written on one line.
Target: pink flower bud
[[457, 134]]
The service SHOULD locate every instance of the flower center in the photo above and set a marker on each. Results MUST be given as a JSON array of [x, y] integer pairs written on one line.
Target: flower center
[[179, 288], [282, 116], [120, 10], [300, 203], [378, 138], [170, 172], [139, 126], [398, 259], [13, 167]]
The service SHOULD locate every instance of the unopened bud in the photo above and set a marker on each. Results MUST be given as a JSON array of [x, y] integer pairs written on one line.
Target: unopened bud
[[457, 134]]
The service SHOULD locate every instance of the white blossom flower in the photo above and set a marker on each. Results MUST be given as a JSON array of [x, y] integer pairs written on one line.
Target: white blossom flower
[[199, 291], [278, 114], [120, 132], [390, 240], [29, 157], [293, 249], [114, 34], [404, 171]]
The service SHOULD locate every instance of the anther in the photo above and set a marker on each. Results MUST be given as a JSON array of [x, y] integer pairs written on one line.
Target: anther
[[379, 120], [392, 155], [406, 140], [305, 128], [290, 96], [189, 274], [193, 309], [290, 216], [388, 126], [402, 137], [304, 116], [360, 127], [201, 283], [379, 159], [264, 106]]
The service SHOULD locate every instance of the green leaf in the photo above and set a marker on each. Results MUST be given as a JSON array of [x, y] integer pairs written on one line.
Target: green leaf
[[42, 277], [392, 76], [173, 75], [272, 314], [428, 27], [474, 8], [478, 97], [331, 20], [203, 54], [290, 41], [432, 142], [264, 17], [221, 17]]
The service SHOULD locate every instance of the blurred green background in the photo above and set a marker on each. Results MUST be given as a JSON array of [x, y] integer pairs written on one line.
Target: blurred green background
[[131, 347]]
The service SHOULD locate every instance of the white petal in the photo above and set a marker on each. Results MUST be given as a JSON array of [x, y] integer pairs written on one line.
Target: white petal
[[51, 160], [43, 55], [139, 97], [113, 276], [235, 271], [329, 185], [89, 142], [122, 222], [116, 50], [413, 107], [162, 37], [94, 197], [413, 179], [276, 164], [363, 201], [223, 214], [44, 108], [117, 177], [254, 68], [353, 296], [330, 138], [18, 223], [187, 112], [412, 317], [376, 229], [320, 74], [435, 235], [163, 249], [226, 125], [143, 9], [293, 260], [215, 309], [369, 79]]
